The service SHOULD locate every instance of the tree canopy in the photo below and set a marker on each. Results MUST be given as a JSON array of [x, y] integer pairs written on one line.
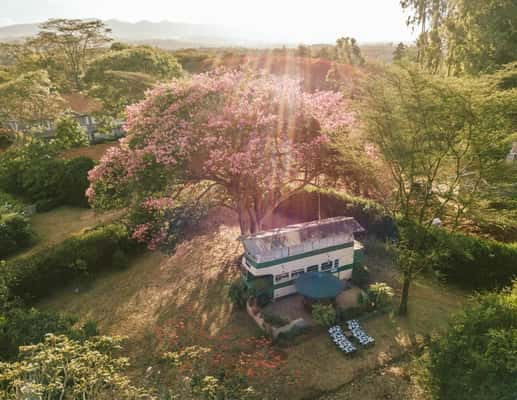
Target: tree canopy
[[438, 141], [464, 36], [476, 358], [120, 78], [71, 41], [30, 100], [253, 138]]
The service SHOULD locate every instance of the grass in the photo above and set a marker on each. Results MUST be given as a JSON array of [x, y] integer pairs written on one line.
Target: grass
[[95, 152], [323, 369], [159, 291], [393, 381], [54, 226]]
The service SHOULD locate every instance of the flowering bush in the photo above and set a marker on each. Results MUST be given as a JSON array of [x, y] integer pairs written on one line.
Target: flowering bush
[[324, 314]]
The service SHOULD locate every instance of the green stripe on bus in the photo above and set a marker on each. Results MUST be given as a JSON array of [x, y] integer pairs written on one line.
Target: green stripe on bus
[[298, 256]]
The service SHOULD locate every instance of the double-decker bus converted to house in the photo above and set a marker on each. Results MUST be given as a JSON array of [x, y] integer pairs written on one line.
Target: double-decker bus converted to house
[[275, 258]]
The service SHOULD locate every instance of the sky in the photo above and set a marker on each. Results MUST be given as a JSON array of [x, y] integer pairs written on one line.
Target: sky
[[308, 21]]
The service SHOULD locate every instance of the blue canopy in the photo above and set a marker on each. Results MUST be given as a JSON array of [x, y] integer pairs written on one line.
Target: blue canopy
[[319, 285]]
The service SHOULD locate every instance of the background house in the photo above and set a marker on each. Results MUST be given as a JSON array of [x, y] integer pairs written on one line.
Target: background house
[[83, 109]]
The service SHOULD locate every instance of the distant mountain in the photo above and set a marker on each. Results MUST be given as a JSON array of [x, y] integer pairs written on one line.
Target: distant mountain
[[176, 34], [18, 31]]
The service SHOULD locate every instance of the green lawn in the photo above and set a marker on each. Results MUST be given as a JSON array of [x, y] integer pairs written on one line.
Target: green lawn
[[54, 226], [94, 152], [159, 291]]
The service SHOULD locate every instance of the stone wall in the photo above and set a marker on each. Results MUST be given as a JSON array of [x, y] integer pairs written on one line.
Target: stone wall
[[255, 313]]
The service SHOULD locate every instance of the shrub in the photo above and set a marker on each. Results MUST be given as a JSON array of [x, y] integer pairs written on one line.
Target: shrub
[[34, 276], [476, 263], [15, 234], [9, 204], [75, 181], [69, 133], [21, 327], [238, 294], [36, 173], [476, 359], [360, 275], [89, 329], [324, 314], [92, 369], [378, 295], [469, 261]]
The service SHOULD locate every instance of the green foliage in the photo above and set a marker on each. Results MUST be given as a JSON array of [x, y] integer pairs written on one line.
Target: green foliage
[[464, 36], [207, 385], [324, 314], [69, 133], [476, 359], [238, 294], [348, 51], [400, 52], [15, 234], [9, 204], [36, 173], [120, 78], [75, 181], [29, 99], [61, 367], [360, 275], [7, 138], [434, 174], [473, 262], [196, 61], [378, 295], [69, 44], [21, 327], [37, 275]]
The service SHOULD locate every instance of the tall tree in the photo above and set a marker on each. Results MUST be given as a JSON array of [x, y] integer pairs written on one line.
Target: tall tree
[[436, 146], [476, 359], [74, 41], [29, 102], [348, 51], [464, 36], [400, 52], [120, 78], [253, 138]]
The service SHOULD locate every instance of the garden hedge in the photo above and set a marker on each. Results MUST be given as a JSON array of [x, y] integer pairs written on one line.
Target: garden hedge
[[473, 262], [39, 274], [37, 174], [370, 214], [15, 234], [468, 261]]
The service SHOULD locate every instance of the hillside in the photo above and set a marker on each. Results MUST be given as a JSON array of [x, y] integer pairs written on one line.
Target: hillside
[[171, 35], [184, 295]]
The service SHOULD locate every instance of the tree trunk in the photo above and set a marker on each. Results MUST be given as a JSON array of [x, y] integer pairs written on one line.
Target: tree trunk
[[241, 221], [405, 293]]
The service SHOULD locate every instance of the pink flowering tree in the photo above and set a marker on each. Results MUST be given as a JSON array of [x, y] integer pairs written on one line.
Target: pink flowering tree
[[248, 139]]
